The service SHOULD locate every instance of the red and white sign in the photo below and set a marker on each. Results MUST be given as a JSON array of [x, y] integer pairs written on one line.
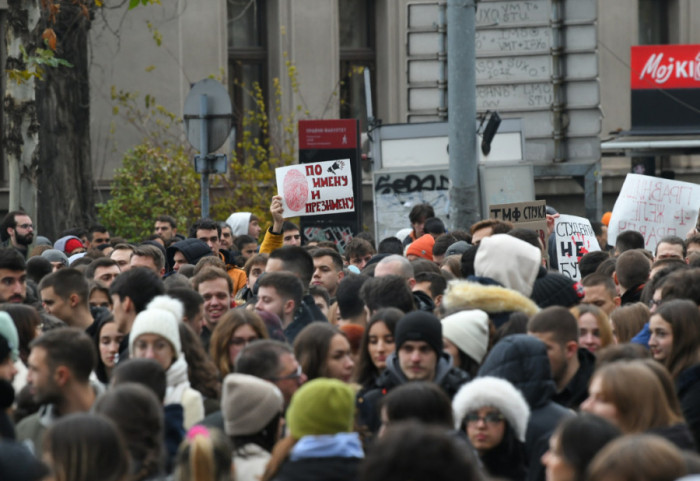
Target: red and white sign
[[328, 134], [665, 66], [316, 189]]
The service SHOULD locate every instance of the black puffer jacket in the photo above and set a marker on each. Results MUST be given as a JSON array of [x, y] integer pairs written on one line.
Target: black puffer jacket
[[449, 378], [523, 361]]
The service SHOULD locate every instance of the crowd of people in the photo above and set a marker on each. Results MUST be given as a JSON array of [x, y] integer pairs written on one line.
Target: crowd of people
[[210, 353]]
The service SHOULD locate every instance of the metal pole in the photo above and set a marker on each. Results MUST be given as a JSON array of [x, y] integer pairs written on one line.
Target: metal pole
[[203, 151], [461, 100]]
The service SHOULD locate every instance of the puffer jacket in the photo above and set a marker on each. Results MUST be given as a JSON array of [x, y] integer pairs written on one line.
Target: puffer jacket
[[522, 360]]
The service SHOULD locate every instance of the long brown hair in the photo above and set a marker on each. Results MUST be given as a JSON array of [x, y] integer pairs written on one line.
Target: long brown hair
[[624, 384], [684, 318], [223, 332], [629, 320]]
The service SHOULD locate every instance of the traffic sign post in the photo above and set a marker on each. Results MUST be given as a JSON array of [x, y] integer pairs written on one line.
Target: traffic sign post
[[209, 106]]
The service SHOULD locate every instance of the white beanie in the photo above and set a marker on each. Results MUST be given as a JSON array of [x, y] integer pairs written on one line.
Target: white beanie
[[511, 261], [161, 316], [469, 331], [490, 391]]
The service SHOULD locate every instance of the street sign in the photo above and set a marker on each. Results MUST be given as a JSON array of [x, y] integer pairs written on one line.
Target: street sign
[[218, 115]]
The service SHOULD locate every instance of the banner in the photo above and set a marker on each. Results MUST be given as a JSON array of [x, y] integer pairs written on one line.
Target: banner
[[525, 215], [316, 189], [574, 238], [654, 207]]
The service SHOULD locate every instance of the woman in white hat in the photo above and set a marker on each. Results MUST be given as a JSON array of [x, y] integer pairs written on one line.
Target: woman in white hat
[[155, 335]]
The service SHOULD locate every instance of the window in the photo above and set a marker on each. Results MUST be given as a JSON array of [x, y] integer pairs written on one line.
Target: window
[[357, 52], [247, 53], [653, 22]]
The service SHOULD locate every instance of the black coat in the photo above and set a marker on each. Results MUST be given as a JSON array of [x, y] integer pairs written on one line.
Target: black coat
[[577, 390], [449, 378], [522, 360], [688, 390], [319, 469]]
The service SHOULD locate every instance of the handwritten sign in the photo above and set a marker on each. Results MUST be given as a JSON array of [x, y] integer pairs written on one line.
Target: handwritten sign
[[654, 207], [574, 237], [525, 215], [316, 189]]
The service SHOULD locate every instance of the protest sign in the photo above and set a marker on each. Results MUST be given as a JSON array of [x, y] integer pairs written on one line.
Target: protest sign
[[526, 215], [574, 238], [654, 207], [316, 188]]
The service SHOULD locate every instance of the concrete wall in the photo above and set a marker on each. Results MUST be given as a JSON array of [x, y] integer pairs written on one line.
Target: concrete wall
[[125, 56]]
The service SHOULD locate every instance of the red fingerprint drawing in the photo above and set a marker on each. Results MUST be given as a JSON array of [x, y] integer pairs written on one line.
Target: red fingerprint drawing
[[296, 191]]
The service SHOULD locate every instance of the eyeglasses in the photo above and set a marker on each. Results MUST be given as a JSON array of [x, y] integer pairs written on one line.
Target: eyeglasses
[[654, 302], [490, 418], [294, 375], [26, 226]]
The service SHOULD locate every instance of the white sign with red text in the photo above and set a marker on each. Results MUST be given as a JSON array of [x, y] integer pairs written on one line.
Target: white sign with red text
[[316, 189], [654, 207], [575, 238]]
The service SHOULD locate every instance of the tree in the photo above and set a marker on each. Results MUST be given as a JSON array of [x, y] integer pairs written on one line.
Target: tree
[[46, 118]]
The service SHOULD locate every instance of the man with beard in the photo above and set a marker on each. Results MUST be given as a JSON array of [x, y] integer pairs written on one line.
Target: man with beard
[[60, 363], [17, 231], [13, 276]]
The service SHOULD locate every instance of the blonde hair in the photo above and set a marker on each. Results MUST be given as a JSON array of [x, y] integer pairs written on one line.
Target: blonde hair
[[601, 320], [204, 455]]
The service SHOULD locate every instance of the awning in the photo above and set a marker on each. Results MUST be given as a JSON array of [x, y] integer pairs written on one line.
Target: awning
[[627, 145]]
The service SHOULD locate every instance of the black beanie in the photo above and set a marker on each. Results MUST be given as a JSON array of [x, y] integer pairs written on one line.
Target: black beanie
[[556, 289], [420, 326]]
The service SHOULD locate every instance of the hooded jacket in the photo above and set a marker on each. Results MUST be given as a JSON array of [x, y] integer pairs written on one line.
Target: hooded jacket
[[239, 223], [449, 378], [522, 360], [498, 302], [335, 457], [510, 261], [192, 249]]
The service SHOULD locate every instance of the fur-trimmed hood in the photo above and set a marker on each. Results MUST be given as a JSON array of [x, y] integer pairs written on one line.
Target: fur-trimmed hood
[[490, 299], [497, 393]]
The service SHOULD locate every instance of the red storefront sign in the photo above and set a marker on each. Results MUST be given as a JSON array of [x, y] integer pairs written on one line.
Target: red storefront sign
[[665, 67], [328, 134]]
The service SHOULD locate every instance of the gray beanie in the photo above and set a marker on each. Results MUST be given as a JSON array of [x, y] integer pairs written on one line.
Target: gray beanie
[[248, 404], [54, 255]]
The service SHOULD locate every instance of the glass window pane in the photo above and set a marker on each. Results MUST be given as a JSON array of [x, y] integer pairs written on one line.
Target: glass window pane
[[354, 24], [244, 24], [352, 91], [653, 22]]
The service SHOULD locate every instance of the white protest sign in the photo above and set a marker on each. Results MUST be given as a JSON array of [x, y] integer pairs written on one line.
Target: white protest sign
[[654, 207], [574, 237], [316, 189]]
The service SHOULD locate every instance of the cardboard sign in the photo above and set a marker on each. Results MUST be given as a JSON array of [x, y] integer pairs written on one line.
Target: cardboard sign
[[654, 207], [316, 189], [526, 215], [574, 238]]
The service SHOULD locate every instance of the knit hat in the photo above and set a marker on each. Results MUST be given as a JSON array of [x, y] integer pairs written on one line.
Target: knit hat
[[556, 289], [469, 331], [40, 240], [321, 406], [419, 326], [490, 391], [54, 255], [9, 332], [68, 244], [422, 247], [248, 404], [511, 261], [161, 317], [458, 248]]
